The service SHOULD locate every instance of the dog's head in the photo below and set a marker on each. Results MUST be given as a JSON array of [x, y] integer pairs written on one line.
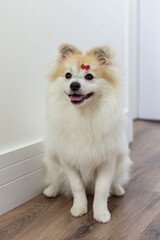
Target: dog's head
[[84, 77]]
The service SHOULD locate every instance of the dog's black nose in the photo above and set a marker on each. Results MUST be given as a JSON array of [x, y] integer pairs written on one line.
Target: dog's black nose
[[75, 86]]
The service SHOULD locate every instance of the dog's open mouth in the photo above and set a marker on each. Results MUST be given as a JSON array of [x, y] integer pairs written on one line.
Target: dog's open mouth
[[77, 98]]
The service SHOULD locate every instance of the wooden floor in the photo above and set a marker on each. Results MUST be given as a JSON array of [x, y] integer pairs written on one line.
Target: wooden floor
[[136, 216]]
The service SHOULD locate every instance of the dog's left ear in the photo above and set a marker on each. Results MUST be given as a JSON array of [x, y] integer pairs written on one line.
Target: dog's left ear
[[66, 50], [103, 54]]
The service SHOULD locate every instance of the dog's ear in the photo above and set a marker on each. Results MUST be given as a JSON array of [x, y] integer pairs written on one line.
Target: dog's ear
[[103, 54], [66, 50]]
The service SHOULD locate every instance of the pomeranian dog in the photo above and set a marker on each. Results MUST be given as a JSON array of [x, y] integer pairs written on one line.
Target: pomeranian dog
[[86, 146]]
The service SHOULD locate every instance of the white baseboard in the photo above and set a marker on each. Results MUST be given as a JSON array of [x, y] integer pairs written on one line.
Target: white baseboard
[[21, 176]]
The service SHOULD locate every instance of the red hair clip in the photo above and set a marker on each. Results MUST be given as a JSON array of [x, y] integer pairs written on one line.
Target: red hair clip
[[85, 66]]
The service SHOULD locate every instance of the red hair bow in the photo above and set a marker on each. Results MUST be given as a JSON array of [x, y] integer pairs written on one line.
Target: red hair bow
[[85, 66]]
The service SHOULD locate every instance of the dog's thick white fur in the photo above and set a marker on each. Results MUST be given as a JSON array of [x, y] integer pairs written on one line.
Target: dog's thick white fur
[[86, 146]]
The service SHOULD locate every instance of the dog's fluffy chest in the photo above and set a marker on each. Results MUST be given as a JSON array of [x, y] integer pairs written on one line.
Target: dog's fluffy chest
[[82, 139]]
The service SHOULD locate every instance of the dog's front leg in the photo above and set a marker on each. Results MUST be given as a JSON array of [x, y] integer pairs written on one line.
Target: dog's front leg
[[103, 183], [78, 190]]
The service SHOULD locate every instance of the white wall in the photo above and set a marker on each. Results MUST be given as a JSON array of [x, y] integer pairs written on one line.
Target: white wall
[[25, 48], [149, 101]]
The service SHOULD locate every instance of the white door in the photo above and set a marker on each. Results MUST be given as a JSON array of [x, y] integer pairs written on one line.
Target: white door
[[149, 107]]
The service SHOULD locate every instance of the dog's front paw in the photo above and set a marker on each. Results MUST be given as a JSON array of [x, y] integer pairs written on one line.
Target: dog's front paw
[[50, 191], [78, 210], [102, 216]]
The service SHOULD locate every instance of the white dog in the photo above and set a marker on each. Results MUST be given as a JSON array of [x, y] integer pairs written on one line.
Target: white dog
[[86, 146]]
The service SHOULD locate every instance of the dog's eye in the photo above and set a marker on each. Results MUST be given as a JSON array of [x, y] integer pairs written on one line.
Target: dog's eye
[[68, 75], [89, 77]]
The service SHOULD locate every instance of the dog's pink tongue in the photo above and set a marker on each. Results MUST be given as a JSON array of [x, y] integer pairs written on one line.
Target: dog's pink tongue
[[76, 97]]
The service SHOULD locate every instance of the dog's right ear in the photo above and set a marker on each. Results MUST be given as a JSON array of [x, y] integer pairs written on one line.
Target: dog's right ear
[[66, 50]]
